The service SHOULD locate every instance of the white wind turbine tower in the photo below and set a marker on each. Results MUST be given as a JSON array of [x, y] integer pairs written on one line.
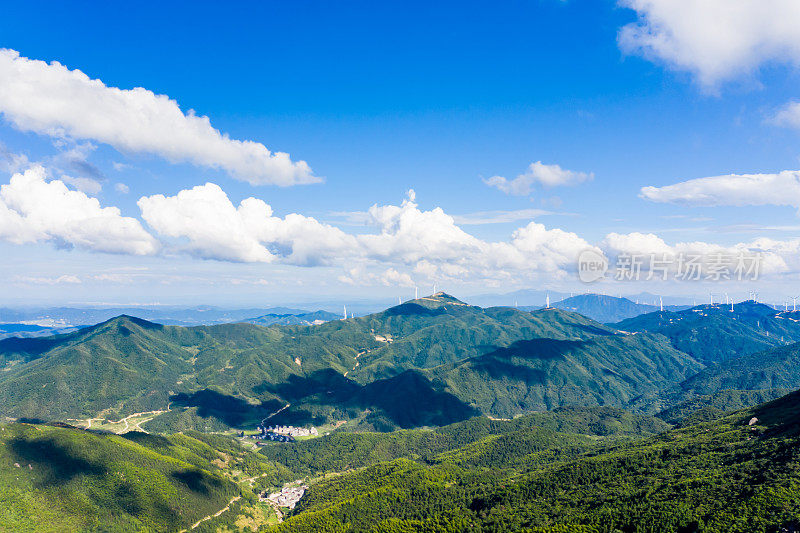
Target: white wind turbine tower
[[794, 303], [547, 302], [711, 298], [661, 304], [345, 313]]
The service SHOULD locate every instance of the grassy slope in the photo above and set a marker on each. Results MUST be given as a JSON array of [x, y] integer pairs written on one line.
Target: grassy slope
[[79, 481], [721, 476]]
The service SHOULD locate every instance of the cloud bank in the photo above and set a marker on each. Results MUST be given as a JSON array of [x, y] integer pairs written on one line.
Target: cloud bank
[[406, 244], [782, 188]]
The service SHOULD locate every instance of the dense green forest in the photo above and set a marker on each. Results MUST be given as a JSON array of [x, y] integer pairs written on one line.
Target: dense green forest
[[725, 475]]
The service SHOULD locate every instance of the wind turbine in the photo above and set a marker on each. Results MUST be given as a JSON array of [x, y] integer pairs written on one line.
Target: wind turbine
[[661, 304], [547, 302], [345, 313], [794, 303], [711, 298]]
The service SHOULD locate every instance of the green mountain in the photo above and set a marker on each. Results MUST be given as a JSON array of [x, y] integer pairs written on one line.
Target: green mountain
[[778, 368], [234, 375], [604, 308], [542, 374], [343, 451], [293, 319], [714, 333], [732, 384], [737, 474]]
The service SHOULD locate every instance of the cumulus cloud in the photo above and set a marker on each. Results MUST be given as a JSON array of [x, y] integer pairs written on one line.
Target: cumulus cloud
[[538, 174], [360, 275], [33, 209], [782, 188], [205, 223], [215, 228], [716, 40], [53, 100], [121, 188], [774, 257]]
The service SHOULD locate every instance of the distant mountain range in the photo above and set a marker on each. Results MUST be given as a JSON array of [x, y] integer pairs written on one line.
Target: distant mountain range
[[608, 309], [293, 319], [52, 321], [715, 333], [75, 316]]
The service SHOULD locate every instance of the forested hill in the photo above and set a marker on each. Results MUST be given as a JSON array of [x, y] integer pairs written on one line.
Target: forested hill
[[714, 333], [736, 474], [128, 365]]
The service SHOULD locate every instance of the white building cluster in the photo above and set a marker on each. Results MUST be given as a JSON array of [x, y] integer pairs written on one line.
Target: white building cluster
[[292, 431], [287, 497]]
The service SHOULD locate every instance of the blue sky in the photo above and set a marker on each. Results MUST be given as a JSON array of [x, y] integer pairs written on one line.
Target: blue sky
[[381, 99]]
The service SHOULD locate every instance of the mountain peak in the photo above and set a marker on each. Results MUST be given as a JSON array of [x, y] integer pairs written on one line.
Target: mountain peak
[[439, 299]]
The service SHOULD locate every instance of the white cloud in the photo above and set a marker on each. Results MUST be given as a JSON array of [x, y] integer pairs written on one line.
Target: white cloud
[[538, 174], [208, 225], [216, 229], [359, 275], [121, 188], [11, 162], [35, 210], [87, 185], [782, 188], [716, 40], [65, 279], [788, 116], [50, 99], [775, 257]]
